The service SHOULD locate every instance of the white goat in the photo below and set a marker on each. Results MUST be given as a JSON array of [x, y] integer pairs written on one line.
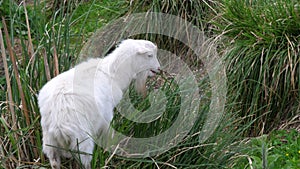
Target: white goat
[[77, 105]]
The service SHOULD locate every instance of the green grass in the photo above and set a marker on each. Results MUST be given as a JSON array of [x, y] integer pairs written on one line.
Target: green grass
[[279, 150], [259, 40], [262, 60]]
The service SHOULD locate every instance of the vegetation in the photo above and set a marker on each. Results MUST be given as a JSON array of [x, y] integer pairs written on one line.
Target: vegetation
[[263, 61], [279, 149], [259, 44]]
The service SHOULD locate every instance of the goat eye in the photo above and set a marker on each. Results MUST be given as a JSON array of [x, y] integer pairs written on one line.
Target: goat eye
[[150, 55]]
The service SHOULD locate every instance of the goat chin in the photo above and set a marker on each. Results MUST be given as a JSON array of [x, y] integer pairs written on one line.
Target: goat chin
[[140, 83]]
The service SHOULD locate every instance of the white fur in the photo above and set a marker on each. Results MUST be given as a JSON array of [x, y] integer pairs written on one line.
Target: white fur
[[77, 105]]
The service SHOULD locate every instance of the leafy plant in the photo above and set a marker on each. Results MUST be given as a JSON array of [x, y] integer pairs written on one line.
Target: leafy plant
[[279, 150]]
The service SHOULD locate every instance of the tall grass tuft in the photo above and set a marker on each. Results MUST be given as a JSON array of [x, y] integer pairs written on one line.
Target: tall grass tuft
[[263, 62], [36, 45]]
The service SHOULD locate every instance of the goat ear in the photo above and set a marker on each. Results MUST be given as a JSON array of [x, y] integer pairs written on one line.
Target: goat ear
[[145, 49], [142, 50]]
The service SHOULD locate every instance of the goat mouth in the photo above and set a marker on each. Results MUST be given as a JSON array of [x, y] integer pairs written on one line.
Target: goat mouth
[[155, 71]]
